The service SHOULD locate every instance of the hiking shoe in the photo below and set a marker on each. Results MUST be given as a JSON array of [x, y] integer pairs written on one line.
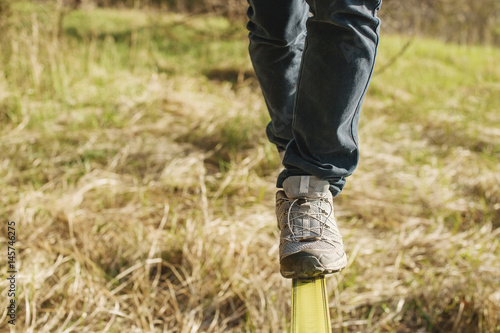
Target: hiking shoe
[[310, 242]]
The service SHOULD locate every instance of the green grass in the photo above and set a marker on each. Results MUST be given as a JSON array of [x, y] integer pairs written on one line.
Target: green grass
[[134, 161]]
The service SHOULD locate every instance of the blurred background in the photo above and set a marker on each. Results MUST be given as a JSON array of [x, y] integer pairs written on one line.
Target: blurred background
[[135, 164], [460, 21]]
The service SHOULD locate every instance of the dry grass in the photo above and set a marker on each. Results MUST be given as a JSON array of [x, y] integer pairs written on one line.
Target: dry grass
[[142, 184]]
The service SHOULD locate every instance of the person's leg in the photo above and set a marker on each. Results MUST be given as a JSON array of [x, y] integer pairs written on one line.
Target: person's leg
[[324, 97], [277, 34], [337, 64]]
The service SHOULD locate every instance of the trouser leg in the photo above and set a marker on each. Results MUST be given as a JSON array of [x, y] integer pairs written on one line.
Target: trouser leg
[[314, 89], [337, 64], [277, 33]]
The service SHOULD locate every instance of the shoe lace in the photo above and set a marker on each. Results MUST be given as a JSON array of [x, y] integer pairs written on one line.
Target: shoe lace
[[319, 214]]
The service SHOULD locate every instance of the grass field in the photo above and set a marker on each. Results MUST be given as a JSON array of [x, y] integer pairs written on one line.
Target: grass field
[[135, 164]]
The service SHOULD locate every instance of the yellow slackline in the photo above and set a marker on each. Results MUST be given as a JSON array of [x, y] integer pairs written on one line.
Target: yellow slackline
[[310, 312]]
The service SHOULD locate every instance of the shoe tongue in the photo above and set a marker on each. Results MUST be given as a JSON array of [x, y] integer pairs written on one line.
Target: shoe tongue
[[306, 187]]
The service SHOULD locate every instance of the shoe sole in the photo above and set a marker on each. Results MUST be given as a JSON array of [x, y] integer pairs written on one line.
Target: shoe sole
[[309, 264]]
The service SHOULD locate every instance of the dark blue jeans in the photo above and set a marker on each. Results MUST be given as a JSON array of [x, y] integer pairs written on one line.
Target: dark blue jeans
[[314, 60]]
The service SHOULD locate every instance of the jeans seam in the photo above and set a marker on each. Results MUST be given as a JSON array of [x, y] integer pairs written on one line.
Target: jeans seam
[[358, 105]]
